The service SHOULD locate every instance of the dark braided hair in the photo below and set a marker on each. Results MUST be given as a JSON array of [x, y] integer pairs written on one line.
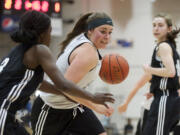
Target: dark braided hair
[[32, 24]]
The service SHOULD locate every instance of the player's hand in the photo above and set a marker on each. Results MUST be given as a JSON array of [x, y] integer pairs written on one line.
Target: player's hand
[[149, 95], [102, 98], [104, 110], [122, 108]]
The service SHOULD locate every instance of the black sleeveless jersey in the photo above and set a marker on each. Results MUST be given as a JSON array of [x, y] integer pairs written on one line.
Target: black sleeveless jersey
[[17, 82], [164, 83]]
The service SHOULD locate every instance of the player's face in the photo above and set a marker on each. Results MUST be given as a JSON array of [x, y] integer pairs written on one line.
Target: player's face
[[160, 28], [101, 36]]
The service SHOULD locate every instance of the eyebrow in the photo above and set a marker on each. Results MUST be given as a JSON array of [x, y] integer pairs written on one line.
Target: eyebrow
[[157, 23]]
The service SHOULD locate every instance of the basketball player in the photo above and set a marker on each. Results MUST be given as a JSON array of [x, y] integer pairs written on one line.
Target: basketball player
[[57, 115], [21, 71], [164, 111]]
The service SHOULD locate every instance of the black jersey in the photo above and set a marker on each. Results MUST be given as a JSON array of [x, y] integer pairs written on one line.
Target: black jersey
[[17, 82], [164, 83]]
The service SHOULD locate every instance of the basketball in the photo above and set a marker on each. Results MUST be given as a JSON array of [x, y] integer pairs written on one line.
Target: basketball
[[114, 69]]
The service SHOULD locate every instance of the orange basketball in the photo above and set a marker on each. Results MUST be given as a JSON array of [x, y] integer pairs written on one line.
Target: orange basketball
[[114, 69]]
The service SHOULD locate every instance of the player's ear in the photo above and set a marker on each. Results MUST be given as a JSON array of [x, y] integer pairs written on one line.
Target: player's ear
[[90, 32], [42, 37]]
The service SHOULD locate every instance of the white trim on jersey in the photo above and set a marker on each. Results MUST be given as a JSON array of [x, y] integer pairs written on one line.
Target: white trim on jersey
[[2, 120], [13, 96], [41, 120], [163, 83], [161, 114]]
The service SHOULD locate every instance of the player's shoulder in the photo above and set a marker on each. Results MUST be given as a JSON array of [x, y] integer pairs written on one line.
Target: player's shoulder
[[88, 47], [87, 52], [41, 48], [41, 51], [164, 46]]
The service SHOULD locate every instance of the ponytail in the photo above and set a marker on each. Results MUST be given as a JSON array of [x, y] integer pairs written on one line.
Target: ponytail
[[80, 27], [173, 35], [26, 37]]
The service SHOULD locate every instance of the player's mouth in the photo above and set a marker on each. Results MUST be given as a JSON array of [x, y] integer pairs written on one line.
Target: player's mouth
[[156, 34], [102, 42]]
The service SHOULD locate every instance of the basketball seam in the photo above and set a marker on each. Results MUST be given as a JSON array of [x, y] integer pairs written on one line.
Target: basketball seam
[[101, 68], [122, 73], [110, 68]]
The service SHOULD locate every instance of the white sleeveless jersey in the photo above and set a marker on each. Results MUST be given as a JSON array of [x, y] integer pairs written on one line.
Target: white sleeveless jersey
[[60, 101]]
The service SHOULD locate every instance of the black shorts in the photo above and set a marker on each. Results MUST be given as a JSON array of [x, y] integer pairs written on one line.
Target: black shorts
[[8, 123], [12, 127], [163, 115], [48, 121], [176, 130], [141, 122]]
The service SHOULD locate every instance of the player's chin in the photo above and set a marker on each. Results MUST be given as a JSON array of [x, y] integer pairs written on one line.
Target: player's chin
[[157, 36], [103, 46]]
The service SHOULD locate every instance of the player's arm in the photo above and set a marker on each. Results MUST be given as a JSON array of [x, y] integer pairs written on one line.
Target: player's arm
[[81, 63], [48, 63], [50, 88], [82, 60], [165, 53], [142, 81]]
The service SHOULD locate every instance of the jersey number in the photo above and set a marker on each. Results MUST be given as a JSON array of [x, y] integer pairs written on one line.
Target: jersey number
[[3, 64]]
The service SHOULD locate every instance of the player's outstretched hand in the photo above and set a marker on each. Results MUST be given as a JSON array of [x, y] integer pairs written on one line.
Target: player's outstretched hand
[[149, 95], [103, 98], [122, 108], [101, 109]]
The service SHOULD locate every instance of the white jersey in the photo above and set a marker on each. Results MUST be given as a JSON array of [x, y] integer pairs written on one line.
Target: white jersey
[[60, 101]]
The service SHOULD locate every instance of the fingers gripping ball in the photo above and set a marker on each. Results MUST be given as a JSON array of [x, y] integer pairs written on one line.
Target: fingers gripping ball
[[114, 69]]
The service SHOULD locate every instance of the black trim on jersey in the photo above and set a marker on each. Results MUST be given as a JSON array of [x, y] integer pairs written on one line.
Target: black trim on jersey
[[85, 34], [72, 52], [100, 57]]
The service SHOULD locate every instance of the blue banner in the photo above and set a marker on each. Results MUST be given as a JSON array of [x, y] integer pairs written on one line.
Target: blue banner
[[8, 23]]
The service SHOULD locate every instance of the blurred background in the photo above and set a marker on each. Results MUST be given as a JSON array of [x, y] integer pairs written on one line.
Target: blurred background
[[132, 38]]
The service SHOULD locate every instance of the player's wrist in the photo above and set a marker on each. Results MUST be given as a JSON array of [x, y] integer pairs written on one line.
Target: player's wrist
[[126, 103]]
